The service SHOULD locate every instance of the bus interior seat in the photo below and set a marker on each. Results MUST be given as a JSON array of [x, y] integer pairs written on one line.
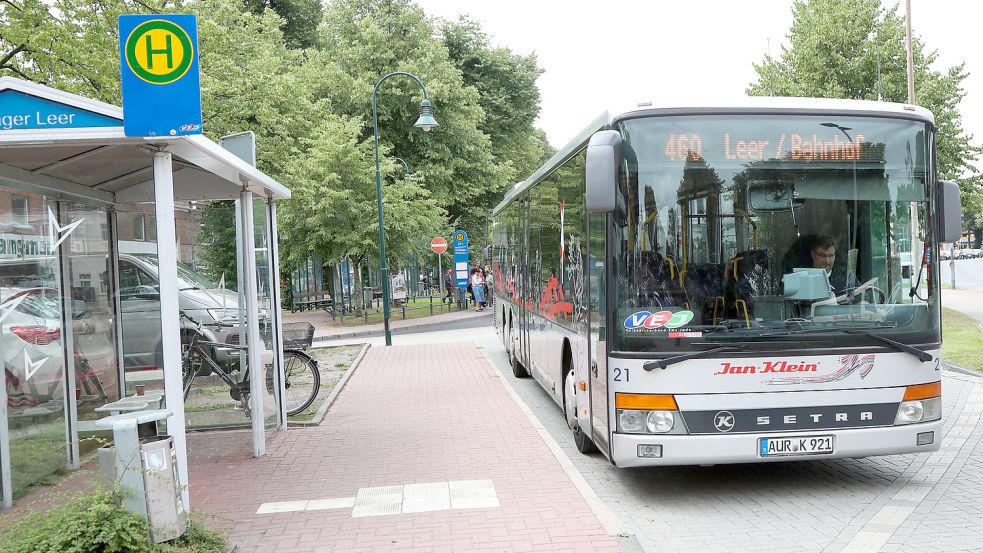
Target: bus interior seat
[[703, 285]]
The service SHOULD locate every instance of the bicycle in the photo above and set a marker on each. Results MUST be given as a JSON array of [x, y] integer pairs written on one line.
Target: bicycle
[[302, 380]]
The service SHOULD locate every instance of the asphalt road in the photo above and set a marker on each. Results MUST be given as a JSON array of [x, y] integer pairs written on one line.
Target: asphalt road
[[969, 274], [925, 502]]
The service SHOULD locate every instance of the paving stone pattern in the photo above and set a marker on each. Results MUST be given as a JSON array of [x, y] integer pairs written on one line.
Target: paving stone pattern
[[924, 502], [408, 415]]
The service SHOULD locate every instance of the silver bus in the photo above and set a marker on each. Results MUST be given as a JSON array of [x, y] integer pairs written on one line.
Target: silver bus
[[733, 283]]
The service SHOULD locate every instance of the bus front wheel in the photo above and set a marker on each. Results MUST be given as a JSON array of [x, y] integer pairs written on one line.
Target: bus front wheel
[[580, 438], [517, 369]]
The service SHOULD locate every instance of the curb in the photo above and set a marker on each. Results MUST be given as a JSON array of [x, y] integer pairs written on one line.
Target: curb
[[611, 523], [962, 370], [323, 410], [394, 331]]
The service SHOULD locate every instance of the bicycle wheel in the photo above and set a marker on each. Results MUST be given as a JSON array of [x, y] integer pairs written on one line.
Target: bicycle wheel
[[301, 380]]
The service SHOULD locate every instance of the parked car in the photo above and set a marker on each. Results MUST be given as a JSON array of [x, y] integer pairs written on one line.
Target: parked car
[[200, 299], [31, 342]]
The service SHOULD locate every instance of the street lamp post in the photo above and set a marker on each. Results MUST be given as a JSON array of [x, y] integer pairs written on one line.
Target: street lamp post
[[406, 168], [425, 122]]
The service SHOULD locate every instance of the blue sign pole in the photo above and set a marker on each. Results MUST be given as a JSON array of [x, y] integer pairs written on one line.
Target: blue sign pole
[[461, 267], [159, 75]]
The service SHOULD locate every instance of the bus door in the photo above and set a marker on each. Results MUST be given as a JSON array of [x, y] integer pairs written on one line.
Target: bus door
[[596, 301], [525, 283]]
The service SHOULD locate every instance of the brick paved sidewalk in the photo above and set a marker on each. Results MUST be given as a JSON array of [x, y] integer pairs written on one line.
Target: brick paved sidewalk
[[434, 414], [326, 329]]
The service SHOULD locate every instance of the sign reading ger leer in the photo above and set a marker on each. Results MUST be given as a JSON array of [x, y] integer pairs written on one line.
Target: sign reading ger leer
[[159, 75]]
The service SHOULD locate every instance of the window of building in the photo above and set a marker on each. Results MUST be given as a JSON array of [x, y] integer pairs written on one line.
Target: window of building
[[18, 205], [138, 227]]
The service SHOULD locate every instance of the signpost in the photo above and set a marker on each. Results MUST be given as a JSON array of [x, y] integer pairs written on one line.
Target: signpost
[[159, 75], [439, 246], [461, 259]]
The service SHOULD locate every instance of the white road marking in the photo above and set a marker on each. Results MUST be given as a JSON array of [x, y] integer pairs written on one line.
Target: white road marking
[[400, 499]]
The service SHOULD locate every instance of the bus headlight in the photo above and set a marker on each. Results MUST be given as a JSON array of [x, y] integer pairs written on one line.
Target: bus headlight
[[659, 422], [634, 421], [631, 421], [921, 410]]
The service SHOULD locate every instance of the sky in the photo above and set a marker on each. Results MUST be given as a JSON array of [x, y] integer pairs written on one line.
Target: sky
[[615, 54]]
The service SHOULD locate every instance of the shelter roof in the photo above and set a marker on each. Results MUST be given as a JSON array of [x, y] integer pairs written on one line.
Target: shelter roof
[[92, 160]]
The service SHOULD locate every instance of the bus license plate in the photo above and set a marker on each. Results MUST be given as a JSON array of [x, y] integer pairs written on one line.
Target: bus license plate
[[806, 445]]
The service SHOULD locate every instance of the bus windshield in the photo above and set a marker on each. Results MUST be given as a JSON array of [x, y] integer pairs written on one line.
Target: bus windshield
[[762, 229]]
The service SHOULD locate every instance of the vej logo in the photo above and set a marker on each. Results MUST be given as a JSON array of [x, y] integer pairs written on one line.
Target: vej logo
[[159, 52], [650, 321]]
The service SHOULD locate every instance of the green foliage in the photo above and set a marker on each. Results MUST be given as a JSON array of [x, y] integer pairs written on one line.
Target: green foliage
[[833, 51], [301, 77], [300, 18], [94, 523], [218, 236], [91, 523]]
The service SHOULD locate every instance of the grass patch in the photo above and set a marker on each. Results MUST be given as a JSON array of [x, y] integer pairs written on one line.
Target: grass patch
[[94, 522], [962, 339], [413, 308]]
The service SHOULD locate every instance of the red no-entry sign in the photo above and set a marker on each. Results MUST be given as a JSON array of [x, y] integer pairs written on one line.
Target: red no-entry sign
[[438, 245]]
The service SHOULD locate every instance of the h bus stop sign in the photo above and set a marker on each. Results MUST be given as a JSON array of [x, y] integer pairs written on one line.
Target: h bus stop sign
[[461, 258], [158, 57]]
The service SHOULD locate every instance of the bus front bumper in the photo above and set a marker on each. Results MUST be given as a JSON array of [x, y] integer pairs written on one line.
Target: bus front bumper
[[744, 448]]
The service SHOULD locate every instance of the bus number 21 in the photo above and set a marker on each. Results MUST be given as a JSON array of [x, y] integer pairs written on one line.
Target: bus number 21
[[618, 373]]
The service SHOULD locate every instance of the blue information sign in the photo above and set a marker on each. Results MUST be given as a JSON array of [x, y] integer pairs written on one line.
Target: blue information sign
[[159, 72], [461, 268], [23, 111]]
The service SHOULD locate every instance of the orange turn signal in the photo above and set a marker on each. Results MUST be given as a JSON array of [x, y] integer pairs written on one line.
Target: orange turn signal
[[645, 402], [923, 391]]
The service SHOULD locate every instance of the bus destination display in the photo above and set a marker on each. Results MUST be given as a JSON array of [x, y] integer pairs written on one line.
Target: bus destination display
[[790, 146]]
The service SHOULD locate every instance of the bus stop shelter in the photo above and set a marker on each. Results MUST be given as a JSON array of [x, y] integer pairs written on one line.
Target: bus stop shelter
[[87, 216]]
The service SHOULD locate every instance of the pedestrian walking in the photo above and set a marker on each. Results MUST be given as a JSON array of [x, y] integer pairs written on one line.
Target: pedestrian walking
[[448, 287], [489, 286], [478, 289]]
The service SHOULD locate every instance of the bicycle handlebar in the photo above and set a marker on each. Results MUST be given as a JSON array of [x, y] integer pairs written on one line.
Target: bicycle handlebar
[[199, 324]]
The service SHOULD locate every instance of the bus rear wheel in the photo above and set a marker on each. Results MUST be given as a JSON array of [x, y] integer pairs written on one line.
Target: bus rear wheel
[[580, 438]]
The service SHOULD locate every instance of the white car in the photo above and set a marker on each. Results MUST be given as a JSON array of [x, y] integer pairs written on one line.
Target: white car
[[31, 342]]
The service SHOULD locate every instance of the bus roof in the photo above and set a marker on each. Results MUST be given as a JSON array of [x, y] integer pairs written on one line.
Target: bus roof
[[741, 105]]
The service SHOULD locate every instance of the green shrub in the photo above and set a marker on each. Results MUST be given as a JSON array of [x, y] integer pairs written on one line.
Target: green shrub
[[94, 523]]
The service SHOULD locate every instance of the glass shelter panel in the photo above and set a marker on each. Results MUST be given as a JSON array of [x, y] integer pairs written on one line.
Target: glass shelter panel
[[32, 338], [92, 344], [766, 227]]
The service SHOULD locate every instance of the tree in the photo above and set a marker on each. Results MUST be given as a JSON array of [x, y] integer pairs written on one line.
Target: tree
[[509, 97], [300, 18], [333, 208], [834, 45], [370, 39]]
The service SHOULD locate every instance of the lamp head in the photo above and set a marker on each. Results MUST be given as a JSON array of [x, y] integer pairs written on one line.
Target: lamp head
[[426, 120]]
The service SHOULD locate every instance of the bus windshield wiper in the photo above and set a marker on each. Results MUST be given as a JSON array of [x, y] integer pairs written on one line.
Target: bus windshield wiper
[[663, 363], [922, 355], [791, 331]]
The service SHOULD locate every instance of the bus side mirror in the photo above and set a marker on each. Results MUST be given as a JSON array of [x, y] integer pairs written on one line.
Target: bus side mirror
[[950, 212], [603, 153]]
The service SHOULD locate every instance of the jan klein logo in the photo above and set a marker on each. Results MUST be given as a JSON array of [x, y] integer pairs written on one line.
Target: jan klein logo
[[767, 367]]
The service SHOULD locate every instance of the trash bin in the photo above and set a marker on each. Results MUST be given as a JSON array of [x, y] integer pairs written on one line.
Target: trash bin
[[144, 464], [367, 295]]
